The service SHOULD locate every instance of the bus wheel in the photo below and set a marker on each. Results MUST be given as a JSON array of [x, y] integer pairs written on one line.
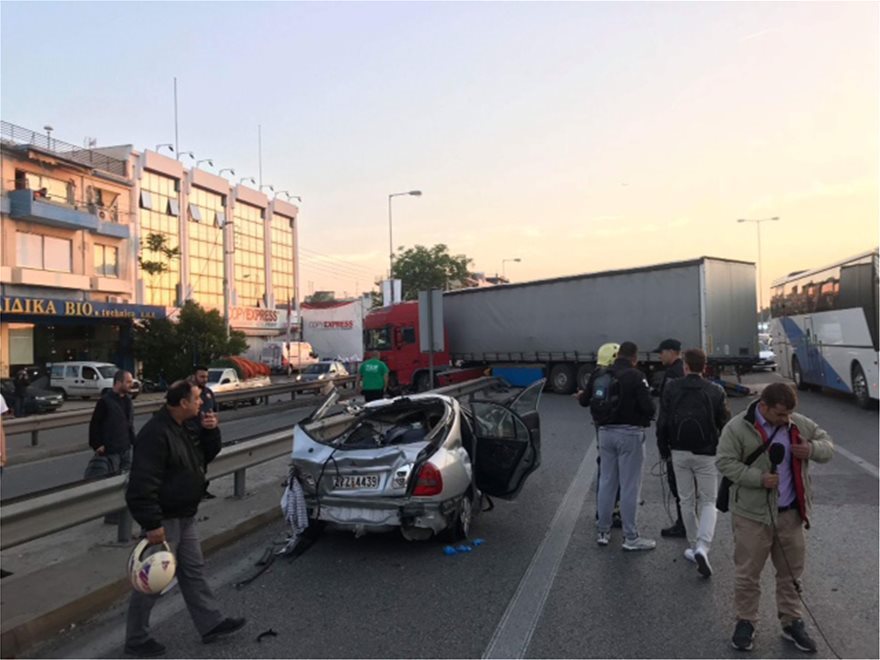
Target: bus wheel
[[798, 375], [860, 387]]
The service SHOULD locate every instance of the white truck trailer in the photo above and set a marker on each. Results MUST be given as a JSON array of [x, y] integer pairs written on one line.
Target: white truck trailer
[[557, 325]]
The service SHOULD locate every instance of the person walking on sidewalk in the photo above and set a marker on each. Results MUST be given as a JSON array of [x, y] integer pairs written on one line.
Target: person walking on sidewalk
[[770, 506], [111, 429], [670, 357], [628, 411], [374, 378], [209, 405], [166, 484], [20, 385], [692, 413]]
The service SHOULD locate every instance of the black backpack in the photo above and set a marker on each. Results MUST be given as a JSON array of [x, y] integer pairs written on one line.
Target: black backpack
[[604, 398], [693, 421]]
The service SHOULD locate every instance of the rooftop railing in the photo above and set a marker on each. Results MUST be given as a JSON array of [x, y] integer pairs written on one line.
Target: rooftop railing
[[18, 135]]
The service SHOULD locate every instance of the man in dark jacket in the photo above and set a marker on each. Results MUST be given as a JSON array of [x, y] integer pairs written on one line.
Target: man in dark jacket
[[670, 357], [166, 484], [111, 430], [209, 405], [692, 413], [622, 448], [20, 383]]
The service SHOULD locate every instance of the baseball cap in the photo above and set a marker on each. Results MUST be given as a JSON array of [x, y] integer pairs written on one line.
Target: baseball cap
[[668, 345]]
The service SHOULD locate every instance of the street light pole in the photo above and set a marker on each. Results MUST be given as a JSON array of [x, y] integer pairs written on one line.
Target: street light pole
[[503, 262], [758, 222], [415, 193]]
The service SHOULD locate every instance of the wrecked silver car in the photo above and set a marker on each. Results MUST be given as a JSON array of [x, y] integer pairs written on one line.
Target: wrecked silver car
[[421, 464]]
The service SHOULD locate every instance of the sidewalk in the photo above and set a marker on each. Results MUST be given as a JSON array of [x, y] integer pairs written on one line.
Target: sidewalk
[[66, 578]]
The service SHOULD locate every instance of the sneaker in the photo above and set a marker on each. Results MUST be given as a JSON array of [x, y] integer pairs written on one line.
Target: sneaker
[[689, 555], [702, 560], [796, 632], [639, 543], [743, 635], [226, 627], [675, 532], [149, 649], [604, 538]]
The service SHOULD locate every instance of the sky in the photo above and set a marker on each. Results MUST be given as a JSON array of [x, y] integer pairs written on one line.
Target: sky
[[576, 136]]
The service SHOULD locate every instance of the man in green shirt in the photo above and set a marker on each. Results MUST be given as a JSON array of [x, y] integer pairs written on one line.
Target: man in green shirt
[[374, 378]]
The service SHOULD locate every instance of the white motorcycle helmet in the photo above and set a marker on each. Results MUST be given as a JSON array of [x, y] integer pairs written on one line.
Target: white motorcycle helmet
[[151, 573]]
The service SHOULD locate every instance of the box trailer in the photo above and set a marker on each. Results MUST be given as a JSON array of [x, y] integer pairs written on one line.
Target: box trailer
[[558, 324]]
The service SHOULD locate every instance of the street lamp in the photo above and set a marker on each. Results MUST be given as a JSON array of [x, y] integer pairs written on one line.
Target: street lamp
[[758, 222], [180, 154], [267, 186], [170, 147], [287, 194], [414, 193], [504, 261], [205, 160], [226, 169], [247, 178]]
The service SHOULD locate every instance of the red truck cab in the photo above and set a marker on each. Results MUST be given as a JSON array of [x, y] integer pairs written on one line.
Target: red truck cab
[[393, 331]]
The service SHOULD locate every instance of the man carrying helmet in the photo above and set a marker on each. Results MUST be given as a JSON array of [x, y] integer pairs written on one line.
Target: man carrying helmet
[[165, 486], [605, 357]]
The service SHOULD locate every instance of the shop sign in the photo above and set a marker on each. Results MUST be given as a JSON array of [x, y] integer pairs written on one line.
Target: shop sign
[[258, 317], [19, 306]]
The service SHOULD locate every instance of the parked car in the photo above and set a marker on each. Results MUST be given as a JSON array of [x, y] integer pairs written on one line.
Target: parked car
[[85, 379], [766, 359], [323, 370], [39, 400], [421, 464]]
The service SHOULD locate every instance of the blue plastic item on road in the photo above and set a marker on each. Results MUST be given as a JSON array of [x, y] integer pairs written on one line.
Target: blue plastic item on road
[[464, 548], [448, 550], [477, 542]]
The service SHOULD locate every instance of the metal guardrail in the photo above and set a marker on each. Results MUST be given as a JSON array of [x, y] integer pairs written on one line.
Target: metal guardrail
[[36, 423], [43, 515]]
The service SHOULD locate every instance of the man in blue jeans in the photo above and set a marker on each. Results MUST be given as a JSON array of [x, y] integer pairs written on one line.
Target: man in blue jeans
[[622, 448]]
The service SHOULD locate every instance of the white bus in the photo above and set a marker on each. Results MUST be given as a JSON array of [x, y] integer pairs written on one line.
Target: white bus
[[824, 327]]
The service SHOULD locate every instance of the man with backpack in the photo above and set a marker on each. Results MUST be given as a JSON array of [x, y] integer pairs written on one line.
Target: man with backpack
[[622, 407], [605, 357], [692, 413]]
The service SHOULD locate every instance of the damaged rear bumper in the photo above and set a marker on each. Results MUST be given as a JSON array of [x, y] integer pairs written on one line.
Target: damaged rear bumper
[[382, 514]]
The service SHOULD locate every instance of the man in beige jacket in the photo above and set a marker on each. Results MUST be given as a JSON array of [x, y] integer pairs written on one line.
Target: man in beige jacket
[[770, 506]]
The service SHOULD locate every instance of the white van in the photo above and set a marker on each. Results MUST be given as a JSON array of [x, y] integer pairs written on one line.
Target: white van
[[286, 357], [85, 379]]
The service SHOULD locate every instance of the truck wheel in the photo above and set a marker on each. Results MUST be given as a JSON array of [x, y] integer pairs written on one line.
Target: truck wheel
[[860, 387], [583, 376], [562, 379], [798, 375], [423, 382]]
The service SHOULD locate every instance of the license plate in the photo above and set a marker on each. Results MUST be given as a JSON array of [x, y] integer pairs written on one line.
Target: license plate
[[354, 482]]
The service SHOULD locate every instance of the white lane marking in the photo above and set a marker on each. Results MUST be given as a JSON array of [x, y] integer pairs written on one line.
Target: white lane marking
[[862, 463], [515, 630]]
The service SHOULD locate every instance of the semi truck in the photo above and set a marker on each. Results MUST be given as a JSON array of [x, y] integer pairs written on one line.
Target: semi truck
[[554, 327]]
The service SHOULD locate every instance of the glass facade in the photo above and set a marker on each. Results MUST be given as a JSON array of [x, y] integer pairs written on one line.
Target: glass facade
[[106, 260], [282, 260], [250, 263], [159, 214], [206, 211]]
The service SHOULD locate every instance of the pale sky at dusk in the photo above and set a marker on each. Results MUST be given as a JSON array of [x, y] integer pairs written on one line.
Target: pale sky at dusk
[[577, 136]]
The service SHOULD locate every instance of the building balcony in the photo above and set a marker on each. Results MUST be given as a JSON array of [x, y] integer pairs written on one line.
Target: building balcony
[[113, 229], [23, 206], [49, 278], [111, 285]]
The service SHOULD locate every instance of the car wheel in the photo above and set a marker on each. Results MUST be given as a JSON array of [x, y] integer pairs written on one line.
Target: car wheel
[[460, 528], [798, 375], [860, 387], [562, 379], [423, 382]]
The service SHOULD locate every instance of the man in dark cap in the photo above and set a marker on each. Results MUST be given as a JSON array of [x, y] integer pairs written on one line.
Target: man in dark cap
[[670, 357]]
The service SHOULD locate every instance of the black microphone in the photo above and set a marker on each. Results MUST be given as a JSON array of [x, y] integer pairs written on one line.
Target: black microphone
[[776, 452]]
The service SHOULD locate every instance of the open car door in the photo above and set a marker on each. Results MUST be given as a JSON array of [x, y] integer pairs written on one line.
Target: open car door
[[508, 442]]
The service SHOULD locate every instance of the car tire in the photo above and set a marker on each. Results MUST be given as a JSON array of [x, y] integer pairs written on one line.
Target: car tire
[[860, 387], [423, 382], [460, 528], [562, 379], [798, 375]]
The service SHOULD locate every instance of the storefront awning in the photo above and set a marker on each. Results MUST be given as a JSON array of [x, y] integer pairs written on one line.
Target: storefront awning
[[18, 306]]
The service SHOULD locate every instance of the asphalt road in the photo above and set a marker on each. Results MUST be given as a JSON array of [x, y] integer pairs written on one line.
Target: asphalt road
[[540, 586]]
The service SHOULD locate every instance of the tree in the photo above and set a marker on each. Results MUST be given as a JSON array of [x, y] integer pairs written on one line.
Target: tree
[[321, 297], [199, 337], [422, 268], [157, 245]]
